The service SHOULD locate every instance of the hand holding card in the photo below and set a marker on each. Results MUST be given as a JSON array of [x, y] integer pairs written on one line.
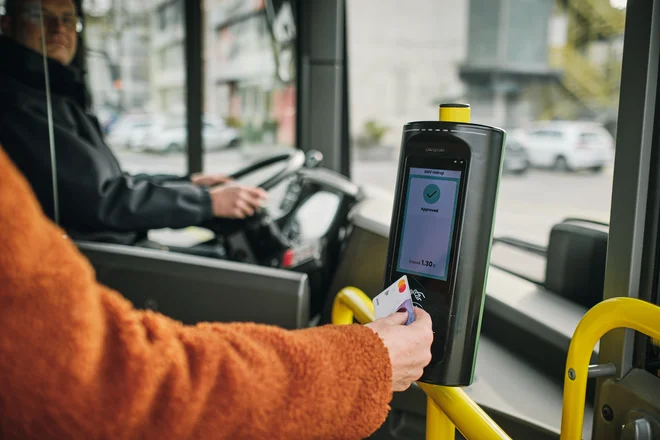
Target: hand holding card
[[393, 299], [409, 346]]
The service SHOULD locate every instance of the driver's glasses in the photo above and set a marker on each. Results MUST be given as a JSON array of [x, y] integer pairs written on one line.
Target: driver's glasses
[[69, 21]]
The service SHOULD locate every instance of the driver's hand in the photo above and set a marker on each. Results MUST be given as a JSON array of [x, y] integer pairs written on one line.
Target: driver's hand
[[236, 201], [209, 179]]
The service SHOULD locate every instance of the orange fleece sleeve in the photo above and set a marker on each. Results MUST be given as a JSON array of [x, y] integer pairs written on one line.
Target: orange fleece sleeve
[[78, 361]]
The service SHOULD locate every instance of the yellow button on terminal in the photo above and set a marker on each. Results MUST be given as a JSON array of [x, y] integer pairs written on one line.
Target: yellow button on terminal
[[455, 113]]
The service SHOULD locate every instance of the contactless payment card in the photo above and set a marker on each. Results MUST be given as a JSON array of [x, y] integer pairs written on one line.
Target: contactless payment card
[[393, 299]]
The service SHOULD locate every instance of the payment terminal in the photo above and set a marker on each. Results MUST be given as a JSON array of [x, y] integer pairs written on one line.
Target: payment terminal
[[441, 231]]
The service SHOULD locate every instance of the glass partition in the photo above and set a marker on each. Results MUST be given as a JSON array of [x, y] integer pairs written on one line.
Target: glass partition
[[123, 110], [136, 78], [249, 72]]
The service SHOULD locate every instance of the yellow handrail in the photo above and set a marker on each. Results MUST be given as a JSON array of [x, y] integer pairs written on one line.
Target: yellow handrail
[[446, 406], [469, 418], [614, 313], [449, 406], [352, 302], [438, 425]]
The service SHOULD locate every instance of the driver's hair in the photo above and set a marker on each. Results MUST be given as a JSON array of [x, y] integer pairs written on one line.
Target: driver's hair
[[10, 8]]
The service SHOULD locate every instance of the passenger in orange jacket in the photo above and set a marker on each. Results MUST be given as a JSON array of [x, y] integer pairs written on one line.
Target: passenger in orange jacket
[[77, 361]]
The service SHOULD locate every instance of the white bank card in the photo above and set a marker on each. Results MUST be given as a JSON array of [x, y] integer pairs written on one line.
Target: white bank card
[[393, 299]]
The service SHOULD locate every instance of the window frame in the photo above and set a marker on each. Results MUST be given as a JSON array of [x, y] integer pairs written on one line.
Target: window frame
[[194, 21], [631, 268]]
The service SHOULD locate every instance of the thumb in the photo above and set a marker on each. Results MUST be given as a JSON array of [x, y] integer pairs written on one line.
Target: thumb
[[398, 318]]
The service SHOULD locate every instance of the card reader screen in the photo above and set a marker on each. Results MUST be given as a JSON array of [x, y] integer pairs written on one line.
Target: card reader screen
[[429, 220]]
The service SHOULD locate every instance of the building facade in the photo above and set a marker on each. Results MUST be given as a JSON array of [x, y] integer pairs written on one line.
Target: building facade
[[404, 58], [243, 82]]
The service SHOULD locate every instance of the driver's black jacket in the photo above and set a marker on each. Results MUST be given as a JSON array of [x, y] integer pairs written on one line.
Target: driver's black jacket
[[97, 200]]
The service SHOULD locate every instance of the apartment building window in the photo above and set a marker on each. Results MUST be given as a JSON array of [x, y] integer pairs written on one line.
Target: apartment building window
[[244, 86], [171, 56], [170, 15]]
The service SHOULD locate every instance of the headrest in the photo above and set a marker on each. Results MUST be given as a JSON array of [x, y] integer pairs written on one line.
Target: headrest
[[575, 267]]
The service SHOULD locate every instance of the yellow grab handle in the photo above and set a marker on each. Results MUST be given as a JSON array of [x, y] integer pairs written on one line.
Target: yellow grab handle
[[613, 313], [351, 303]]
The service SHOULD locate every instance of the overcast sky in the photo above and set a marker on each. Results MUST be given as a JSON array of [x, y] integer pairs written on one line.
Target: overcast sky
[[619, 3]]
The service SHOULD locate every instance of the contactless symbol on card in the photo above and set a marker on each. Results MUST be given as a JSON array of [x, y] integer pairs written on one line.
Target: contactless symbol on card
[[394, 299]]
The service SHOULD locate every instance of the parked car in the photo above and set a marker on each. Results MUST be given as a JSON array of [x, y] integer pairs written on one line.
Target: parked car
[[122, 132], [567, 145], [515, 158], [165, 135]]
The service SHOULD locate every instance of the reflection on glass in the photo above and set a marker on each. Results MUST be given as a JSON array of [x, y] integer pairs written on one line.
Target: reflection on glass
[[314, 218], [546, 73], [136, 75], [244, 87]]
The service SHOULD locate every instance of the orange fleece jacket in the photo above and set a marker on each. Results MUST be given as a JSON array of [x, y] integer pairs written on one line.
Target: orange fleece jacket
[[77, 361]]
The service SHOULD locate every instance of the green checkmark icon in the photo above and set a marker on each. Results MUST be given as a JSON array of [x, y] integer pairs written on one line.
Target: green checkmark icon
[[431, 194]]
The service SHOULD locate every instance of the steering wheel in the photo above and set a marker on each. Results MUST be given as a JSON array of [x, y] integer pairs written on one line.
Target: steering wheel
[[295, 160]]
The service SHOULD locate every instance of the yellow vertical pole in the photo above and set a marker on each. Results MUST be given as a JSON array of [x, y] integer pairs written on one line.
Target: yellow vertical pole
[[438, 425]]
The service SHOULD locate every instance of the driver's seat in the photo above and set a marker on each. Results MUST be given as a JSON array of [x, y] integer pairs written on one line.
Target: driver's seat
[[195, 289]]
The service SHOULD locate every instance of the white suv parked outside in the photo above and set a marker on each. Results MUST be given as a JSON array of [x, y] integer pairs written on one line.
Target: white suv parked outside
[[567, 145]]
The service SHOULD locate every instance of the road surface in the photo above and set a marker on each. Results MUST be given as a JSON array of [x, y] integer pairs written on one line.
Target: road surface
[[528, 205]]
